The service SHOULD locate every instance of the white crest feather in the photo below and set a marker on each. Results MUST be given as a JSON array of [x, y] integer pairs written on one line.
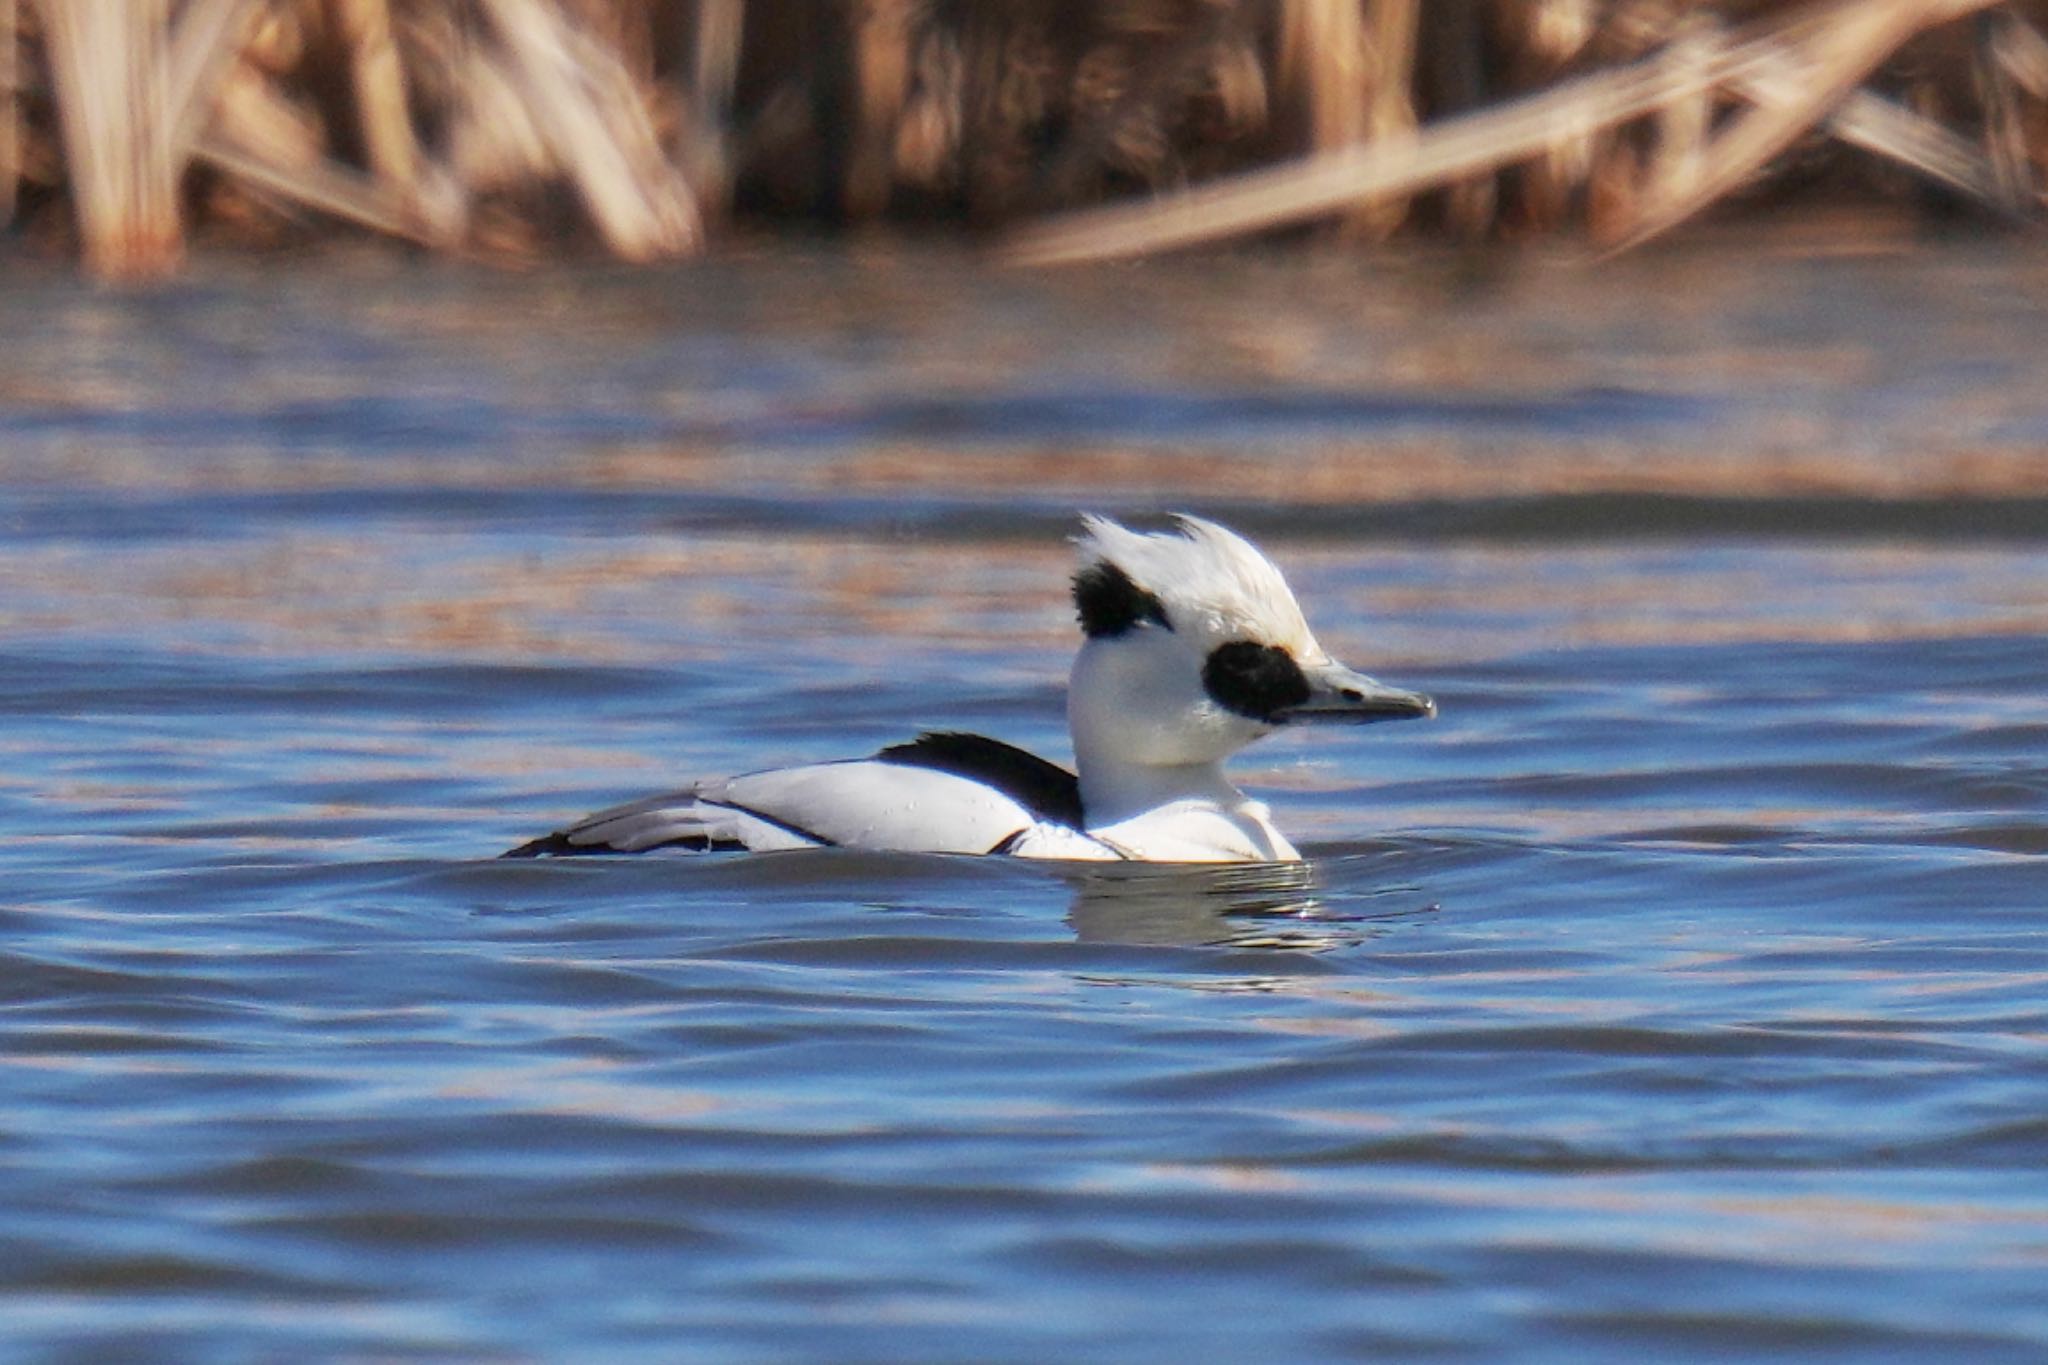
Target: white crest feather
[[1214, 584]]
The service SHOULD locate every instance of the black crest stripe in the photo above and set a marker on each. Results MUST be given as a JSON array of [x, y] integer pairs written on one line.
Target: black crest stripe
[[1110, 603]]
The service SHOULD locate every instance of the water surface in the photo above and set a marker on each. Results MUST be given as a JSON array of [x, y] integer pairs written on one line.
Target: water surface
[[1677, 994]]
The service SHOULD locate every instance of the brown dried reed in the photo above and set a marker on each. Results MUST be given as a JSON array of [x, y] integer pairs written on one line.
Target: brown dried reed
[[1104, 127]]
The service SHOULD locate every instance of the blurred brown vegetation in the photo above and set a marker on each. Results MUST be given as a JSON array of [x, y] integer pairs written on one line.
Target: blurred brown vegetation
[[1077, 127]]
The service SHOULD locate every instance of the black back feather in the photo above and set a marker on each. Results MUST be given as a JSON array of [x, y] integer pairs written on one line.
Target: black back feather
[[1045, 789]]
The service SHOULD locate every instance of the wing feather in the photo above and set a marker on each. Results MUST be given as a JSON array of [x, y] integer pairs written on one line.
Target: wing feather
[[861, 803], [868, 803]]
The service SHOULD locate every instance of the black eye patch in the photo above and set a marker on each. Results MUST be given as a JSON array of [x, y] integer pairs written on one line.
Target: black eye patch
[[1109, 603], [1254, 680]]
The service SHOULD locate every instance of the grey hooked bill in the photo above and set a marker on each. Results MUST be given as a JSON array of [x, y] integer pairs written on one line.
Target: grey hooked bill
[[1339, 696]]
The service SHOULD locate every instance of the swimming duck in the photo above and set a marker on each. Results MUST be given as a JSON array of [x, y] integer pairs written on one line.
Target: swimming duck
[[1193, 648]]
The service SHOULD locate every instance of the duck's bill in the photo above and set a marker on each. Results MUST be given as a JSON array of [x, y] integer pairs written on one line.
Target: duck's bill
[[1338, 696]]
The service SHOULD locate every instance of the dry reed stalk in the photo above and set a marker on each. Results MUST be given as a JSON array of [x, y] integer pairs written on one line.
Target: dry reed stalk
[[206, 41], [1319, 63], [492, 141], [2005, 137], [323, 186], [1391, 31], [928, 134], [2022, 52], [597, 127], [377, 80], [1547, 39], [276, 149], [624, 28], [1317, 185], [1919, 144], [1459, 84], [881, 86], [1872, 122], [716, 28], [711, 73], [109, 62], [10, 110], [1685, 125], [951, 102], [1838, 58], [1319, 69], [1614, 182], [1391, 28], [253, 118], [1350, 71], [1513, 132]]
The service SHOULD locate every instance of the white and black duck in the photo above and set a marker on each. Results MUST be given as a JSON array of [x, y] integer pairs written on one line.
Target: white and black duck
[[1194, 648]]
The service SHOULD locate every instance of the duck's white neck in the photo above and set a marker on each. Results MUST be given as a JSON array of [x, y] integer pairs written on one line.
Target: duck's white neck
[[1189, 813], [1149, 750], [1112, 790]]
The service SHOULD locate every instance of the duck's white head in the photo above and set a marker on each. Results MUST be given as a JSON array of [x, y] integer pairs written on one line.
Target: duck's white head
[[1196, 647]]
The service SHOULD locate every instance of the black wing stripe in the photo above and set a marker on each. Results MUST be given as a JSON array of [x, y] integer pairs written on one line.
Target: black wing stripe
[[784, 825], [1045, 789], [554, 845], [562, 844]]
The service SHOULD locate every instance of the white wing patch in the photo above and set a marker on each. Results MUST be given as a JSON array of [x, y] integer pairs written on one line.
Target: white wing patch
[[863, 803], [860, 803], [680, 819]]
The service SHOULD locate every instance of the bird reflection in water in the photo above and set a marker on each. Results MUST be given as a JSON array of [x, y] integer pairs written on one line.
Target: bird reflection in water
[[1256, 905]]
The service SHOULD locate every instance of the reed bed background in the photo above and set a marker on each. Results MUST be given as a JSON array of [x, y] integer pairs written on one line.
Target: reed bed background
[[1063, 129]]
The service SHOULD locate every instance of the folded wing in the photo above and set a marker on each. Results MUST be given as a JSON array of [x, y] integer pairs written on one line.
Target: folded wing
[[939, 793], [862, 803]]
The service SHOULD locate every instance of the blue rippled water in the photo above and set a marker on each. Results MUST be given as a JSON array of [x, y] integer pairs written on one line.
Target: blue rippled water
[[1680, 994]]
